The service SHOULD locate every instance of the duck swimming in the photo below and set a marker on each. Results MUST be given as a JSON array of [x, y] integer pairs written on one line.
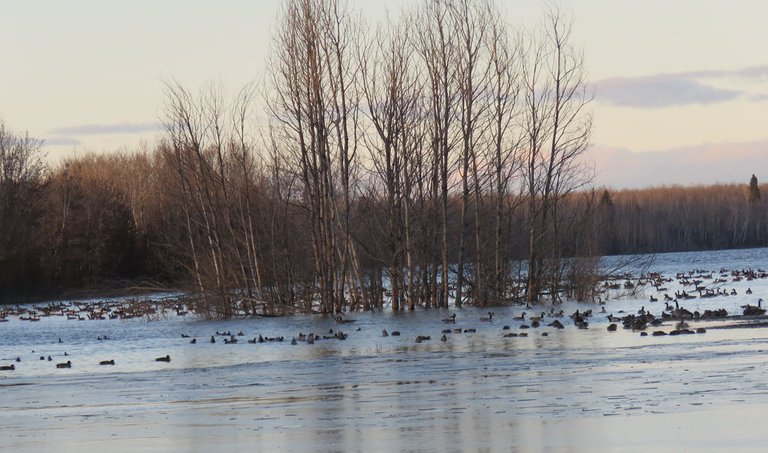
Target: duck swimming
[[64, 365], [107, 362], [451, 319]]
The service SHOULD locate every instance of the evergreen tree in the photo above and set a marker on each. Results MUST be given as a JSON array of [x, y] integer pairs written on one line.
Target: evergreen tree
[[753, 195]]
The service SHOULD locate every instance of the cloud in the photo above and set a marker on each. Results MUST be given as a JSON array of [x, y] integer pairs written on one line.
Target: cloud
[[107, 129], [62, 141], [659, 91], [691, 165], [675, 89]]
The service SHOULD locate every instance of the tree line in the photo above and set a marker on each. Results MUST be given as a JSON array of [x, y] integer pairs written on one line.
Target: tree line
[[674, 218], [433, 159]]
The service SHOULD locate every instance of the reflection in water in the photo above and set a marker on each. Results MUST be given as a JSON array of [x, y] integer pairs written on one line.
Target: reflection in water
[[573, 390]]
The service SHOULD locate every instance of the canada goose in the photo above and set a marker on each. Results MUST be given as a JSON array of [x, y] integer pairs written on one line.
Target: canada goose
[[612, 328], [18, 359], [749, 290], [384, 333], [489, 318], [341, 320], [520, 318], [167, 358], [556, 324], [64, 365], [443, 338], [294, 342], [446, 331], [421, 338], [8, 367], [395, 333], [750, 310], [194, 341], [653, 299], [537, 318], [107, 362], [213, 340], [451, 319]]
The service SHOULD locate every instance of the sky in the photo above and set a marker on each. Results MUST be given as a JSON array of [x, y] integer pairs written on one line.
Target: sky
[[681, 86]]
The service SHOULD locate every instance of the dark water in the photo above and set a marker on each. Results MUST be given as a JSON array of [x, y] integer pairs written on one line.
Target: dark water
[[572, 390]]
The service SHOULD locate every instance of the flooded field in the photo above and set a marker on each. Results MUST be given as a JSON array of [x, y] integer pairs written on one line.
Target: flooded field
[[569, 390]]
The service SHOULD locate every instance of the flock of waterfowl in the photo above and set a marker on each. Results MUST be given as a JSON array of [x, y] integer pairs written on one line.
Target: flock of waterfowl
[[672, 315], [95, 310]]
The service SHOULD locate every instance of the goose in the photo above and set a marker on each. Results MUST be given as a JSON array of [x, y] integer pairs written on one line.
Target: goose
[[193, 341], [167, 358], [443, 338], [749, 290], [520, 318], [421, 338], [750, 310], [64, 365], [451, 319], [341, 320], [107, 362], [653, 299], [537, 318], [10, 367], [384, 333], [395, 333], [489, 318], [213, 340]]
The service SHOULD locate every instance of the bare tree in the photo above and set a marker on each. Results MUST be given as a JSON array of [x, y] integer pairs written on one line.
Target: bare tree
[[557, 130]]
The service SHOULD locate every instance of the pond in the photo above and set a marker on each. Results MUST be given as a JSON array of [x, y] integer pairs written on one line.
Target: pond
[[569, 390]]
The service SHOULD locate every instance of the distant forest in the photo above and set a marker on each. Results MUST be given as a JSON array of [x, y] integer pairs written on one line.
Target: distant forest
[[402, 166]]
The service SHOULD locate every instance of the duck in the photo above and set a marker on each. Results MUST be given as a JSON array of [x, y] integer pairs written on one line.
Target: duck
[[64, 365], [451, 319], [167, 358], [107, 362], [489, 318], [10, 367]]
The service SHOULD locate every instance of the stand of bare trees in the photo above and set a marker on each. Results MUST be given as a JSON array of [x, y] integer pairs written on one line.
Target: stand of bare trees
[[421, 162]]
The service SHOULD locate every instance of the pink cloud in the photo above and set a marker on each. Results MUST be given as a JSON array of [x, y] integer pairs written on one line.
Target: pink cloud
[[690, 165]]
